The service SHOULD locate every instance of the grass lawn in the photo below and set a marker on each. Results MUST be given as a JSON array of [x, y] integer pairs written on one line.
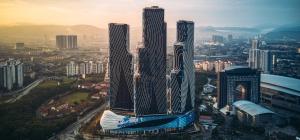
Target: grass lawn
[[76, 97], [68, 80], [52, 83]]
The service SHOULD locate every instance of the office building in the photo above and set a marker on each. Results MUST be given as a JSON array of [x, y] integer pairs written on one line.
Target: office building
[[170, 62], [238, 83], [183, 74], [121, 68], [178, 100], [151, 87]]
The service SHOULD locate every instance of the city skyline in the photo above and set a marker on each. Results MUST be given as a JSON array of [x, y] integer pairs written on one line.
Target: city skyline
[[204, 13], [151, 71]]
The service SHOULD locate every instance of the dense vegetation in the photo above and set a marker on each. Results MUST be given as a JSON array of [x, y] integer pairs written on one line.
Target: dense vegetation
[[19, 120], [201, 80]]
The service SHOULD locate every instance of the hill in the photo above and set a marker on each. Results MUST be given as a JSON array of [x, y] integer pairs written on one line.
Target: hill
[[94, 37], [41, 35], [285, 32]]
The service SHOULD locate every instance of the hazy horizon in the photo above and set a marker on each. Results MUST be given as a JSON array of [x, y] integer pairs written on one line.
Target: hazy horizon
[[221, 13]]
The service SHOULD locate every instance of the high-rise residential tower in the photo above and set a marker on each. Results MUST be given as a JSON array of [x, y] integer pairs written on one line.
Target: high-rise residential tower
[[151, 85], [11, 74], [255, 44], [66, 41], [183, 73], [229, 38], [121, 68], [72, 42], [72, 69], [260, 59], [266, 61], [254, 54]]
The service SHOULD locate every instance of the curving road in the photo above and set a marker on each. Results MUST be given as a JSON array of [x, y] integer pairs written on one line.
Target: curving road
[[24, 91], [71, 131]]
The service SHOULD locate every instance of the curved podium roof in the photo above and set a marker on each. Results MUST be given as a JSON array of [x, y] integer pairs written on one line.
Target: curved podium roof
[[119, 123], [251, 108], [281, 83]]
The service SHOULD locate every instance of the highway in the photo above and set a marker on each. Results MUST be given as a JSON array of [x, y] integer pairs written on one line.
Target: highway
[[24, 91], [72, 130]]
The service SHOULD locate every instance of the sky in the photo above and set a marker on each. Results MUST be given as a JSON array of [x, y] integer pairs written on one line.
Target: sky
[[242, 13]]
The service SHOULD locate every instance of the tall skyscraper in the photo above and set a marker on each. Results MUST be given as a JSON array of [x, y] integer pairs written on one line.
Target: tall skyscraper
[[183, 73], [177, 75], [151, 87], [121, 68]]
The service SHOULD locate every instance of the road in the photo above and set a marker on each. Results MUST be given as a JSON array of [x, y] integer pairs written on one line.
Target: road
[[24, 91], [71, 131]]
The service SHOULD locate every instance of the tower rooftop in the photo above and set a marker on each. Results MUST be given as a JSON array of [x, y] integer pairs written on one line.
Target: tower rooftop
[[153, 7]]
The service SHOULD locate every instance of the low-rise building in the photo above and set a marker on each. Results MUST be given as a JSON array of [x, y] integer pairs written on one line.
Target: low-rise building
[[253, 114], [281, 94]]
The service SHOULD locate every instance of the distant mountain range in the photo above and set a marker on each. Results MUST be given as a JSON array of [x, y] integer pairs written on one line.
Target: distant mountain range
[[38, 35], [91, 36], [291, 33]]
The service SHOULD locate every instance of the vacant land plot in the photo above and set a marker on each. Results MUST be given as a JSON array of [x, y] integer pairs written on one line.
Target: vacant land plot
[[76, 97], [48, 84]]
